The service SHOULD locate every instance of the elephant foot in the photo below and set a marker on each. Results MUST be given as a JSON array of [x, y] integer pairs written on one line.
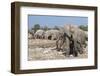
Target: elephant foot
[[81, 52], [75, 54]]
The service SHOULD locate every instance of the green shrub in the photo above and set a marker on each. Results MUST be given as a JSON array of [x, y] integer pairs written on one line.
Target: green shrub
[[84, 27]]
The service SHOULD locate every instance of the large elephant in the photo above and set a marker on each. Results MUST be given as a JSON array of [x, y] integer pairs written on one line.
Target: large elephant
[[79, 37], [77, 33], [51, 34], [39, 34]]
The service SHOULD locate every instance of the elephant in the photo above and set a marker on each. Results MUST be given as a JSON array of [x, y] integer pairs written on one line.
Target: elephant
[[60, 42], [79, 37], [51, 34], [77, 33], [39, 34]]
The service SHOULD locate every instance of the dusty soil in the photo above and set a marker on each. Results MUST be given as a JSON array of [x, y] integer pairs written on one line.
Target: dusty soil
[[39, 49]]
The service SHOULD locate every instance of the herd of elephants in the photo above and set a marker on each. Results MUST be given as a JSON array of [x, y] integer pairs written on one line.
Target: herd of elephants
[[68, 37]]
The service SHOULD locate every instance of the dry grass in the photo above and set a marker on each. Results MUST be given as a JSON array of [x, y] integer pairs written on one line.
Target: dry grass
[[44, 50], [39, 43]]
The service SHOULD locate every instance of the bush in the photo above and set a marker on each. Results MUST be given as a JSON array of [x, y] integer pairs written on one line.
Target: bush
[[84, 27], [45, 28], [36, 27], [56, 28]]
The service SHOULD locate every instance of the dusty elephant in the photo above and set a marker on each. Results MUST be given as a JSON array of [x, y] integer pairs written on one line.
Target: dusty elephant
[[78, 35], [39, 34], [51, 34]]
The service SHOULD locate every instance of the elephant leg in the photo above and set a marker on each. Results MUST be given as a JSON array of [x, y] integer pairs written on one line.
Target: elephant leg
[[43, 37], [80, 51], [57, 45], [46, 37], [62, 43], [35, 36], [39, 37], [75, 53]]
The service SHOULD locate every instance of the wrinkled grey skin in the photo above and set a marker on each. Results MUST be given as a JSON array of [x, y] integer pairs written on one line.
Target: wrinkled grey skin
[[51, 34], [61, 43], [78, 35], [39, 34]]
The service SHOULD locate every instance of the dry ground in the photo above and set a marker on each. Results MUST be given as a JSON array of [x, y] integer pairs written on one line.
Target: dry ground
[[44, 50]]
